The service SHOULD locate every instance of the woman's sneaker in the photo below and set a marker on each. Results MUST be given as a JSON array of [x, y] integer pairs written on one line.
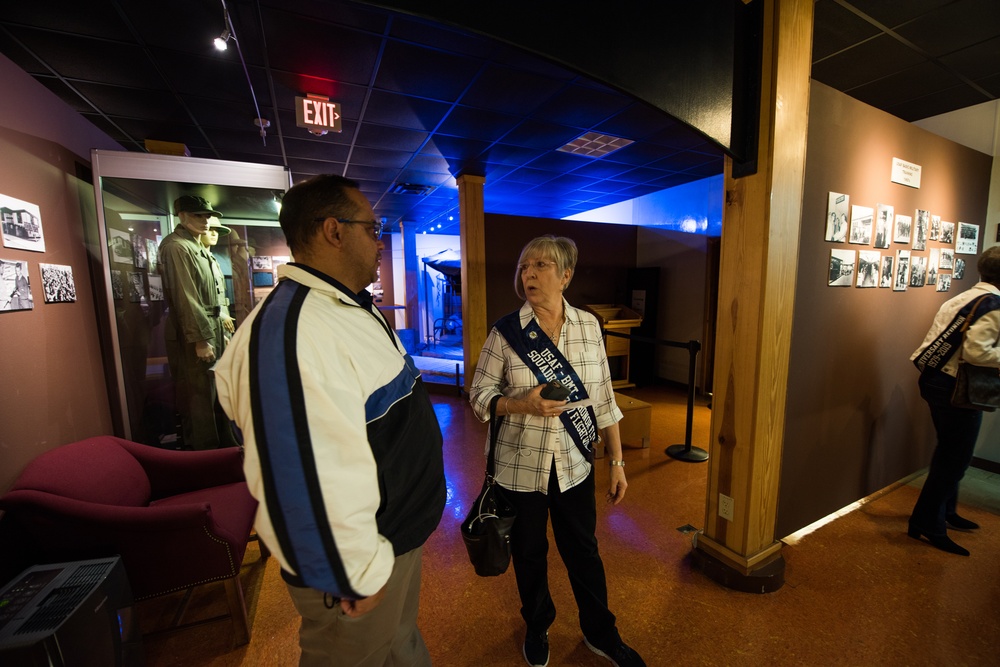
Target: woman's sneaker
[[619, 656]]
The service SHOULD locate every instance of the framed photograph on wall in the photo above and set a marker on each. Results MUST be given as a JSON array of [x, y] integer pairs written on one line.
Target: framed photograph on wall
[[920, 229], [902, 271], [868, 265], [139, 251], [947, 261], [136, 286], [120, 246], [861, 224], [959, 271], [261, 262], [57, 283], [947, 232], [932, 267], [883, 225], [152, 255], [935, 233], [886, 272], [836, 217], [968, 239], [903, 225], [22, 225], [15, 286], [841, 268], [918, 270], [155, 287], [944, 283], [117, 289]]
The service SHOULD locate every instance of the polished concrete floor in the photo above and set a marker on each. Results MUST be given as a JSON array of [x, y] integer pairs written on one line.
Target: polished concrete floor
[[858, 591]]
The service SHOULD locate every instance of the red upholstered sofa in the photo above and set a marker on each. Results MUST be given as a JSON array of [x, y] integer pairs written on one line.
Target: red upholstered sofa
[[177, 519]]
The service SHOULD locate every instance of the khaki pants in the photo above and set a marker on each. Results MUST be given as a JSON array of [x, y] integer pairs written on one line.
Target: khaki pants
[[387, 636]]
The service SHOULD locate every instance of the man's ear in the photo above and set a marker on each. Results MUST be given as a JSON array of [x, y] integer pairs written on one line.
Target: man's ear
[[330, 229]]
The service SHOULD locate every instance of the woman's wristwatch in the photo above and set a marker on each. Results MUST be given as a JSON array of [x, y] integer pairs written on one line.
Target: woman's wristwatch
[[620, 464]]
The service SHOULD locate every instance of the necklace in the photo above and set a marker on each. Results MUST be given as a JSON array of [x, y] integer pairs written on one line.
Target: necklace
[[556, 332]]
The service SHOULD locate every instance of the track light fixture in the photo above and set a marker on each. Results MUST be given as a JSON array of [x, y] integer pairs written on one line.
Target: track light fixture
[[222, 41]]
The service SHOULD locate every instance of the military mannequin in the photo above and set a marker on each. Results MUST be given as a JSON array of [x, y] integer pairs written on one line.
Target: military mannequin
[[193, 331]]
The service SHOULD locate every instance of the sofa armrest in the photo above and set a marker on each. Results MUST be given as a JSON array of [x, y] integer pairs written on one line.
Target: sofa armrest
[[172, 472]]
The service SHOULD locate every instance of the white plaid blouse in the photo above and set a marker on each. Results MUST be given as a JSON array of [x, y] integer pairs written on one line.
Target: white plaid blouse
[[528, 444]]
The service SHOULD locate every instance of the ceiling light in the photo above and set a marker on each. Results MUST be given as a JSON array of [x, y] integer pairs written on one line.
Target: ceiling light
[[222, 41], [595, 145]]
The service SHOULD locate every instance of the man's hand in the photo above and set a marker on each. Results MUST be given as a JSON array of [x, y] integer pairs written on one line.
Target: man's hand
[[205, 351], [355, 608], [229, 324]]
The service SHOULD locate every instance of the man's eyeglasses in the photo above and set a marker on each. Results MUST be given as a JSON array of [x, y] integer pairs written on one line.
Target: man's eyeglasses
[[537, 266], [374, 226]]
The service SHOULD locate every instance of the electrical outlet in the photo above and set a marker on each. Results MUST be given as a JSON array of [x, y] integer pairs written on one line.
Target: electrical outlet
[[725, 507]]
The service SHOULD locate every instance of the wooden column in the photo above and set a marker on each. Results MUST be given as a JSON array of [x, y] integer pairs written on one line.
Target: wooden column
[[411, 268], [760, 232], [473, 245]]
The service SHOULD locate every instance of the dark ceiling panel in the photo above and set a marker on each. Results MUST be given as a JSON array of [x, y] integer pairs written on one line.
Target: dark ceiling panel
[[422, 102]]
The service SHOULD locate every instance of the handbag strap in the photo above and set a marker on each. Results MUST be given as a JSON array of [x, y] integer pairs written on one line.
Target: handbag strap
[[494, 429], [968, 321]]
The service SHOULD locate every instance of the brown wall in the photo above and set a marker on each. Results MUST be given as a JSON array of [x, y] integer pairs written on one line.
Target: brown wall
[[53, 380], [606, 254], [855, 422]]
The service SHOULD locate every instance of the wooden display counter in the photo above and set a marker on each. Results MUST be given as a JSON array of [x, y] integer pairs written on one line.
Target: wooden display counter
[[621, 320], [635, 424]]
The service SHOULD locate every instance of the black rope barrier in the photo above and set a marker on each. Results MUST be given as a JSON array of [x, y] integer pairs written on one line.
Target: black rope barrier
[[683, 452]]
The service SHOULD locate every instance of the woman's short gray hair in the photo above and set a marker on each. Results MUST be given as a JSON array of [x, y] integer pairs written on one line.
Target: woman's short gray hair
[[559, 249]]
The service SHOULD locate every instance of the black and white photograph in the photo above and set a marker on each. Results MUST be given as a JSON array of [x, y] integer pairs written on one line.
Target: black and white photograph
[[947, 261], [261, 262], [58, 285], [968, 239], [868, 265], [920, 230], [935, 233], [947, 232], [944, 283], [120, 246], [902, 271], [918, 270], [883, 225], [139, 251], [278, 260], [861, 224], [903, 225], [22, 225], [841, 268], [15, 287], [932, 267], [136, 286], [886, 279], [152, 255], [155, 288], [959, 271], [117, 290], [836, 217]]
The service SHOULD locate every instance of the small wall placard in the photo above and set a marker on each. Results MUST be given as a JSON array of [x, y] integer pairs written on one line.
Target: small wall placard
[[906, 173]]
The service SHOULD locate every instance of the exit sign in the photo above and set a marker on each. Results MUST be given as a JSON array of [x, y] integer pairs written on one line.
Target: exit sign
[[317, 114]]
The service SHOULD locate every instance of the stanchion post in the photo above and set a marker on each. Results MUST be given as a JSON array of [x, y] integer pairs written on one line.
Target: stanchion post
[[686, 452]]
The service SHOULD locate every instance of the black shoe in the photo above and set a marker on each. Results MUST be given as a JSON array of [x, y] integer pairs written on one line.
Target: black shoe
[[619, 656], [942, 542], [960, 523], [536, 648]]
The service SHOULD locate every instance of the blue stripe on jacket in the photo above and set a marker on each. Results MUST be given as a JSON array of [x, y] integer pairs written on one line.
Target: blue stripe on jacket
[[292, 490]]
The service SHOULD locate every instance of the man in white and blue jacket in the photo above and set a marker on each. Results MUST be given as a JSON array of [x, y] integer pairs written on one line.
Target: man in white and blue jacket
[[342, 446]]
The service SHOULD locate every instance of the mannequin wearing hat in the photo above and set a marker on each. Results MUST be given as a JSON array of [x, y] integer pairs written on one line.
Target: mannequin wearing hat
[[194, 329], [210, 239]]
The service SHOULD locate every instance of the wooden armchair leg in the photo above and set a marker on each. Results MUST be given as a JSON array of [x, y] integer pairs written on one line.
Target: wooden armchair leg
[[238, 611]]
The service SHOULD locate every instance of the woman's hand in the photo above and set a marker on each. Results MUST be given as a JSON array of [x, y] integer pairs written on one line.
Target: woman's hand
[[618, 485], [532, 403]]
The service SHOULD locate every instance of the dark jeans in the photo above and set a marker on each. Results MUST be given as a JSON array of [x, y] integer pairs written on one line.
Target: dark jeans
[[574, 520], [957, 431]]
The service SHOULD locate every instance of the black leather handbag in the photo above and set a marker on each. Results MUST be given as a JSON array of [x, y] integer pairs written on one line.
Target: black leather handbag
[[976, 387], [486, 529]]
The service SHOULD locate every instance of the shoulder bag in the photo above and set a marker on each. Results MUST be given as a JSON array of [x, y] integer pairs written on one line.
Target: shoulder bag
[[976, 387], [486, 529]]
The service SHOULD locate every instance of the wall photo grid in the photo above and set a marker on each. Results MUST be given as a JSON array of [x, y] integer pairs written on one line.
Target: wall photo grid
[[918, 264]]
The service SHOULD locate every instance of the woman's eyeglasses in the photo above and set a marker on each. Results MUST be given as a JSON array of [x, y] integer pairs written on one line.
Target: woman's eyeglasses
[[537, 266]]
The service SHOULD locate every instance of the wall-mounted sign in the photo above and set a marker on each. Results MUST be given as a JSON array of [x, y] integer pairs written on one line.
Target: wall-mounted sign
[[317, 114], [905, 173]]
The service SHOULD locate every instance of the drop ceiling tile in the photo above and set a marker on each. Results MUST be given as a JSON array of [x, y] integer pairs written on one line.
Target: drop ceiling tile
[[289, 85], [317, 148], [365, 173], [510, 155], [418, 71], [976, 61], [391, 138], [67, 16], [375, 157], [577, 106], [315, 48], [938, 103], [837, 28], [395, 110], [953, 26], [925, 77], [508, 90], [540, 134], [477, 124], [455, 147], [893, 13], [865, 63]]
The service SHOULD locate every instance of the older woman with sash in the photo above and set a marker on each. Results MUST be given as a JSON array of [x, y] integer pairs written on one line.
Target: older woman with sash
[[545, 448]]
